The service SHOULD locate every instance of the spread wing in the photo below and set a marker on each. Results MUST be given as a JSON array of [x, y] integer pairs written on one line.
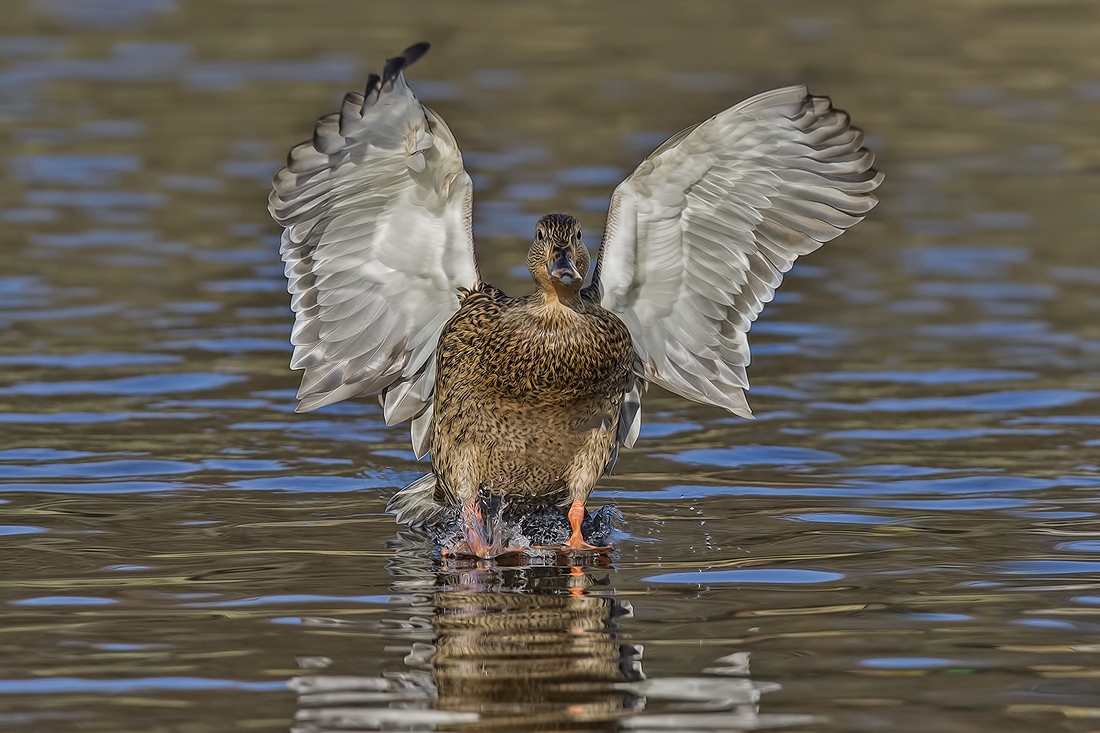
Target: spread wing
[[699, 236], [377, 242]]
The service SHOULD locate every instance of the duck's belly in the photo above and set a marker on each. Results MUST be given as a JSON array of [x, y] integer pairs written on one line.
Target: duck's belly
[[516, 404]]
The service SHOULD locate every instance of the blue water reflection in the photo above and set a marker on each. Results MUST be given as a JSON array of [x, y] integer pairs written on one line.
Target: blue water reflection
[[841, 518], [937, 434], [9, 530], [143, 385], [90, 418], [89, 360], [98, 469], [1048, 567], [913, 663], [753, 455], [65, 601], [292, 599], [930, 377], [781, 576], [988, 402], [54, 685]]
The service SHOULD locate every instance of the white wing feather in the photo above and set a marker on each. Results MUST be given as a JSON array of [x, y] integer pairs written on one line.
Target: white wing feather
[[377, 210], [698, 237]]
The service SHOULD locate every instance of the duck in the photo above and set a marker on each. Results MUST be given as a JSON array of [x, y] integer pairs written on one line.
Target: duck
[[530, 398]]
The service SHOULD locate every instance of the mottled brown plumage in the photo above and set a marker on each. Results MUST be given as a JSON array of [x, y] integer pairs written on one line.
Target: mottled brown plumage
[[528, 390]]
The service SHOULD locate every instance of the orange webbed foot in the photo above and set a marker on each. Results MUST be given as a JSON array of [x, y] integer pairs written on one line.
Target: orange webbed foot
[[576, 541], [577, 544]]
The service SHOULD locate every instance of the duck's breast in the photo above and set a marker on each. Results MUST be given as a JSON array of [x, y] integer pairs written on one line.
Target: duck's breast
[[556, 357]]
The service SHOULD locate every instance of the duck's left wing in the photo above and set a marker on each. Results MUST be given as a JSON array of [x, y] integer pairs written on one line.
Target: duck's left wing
[[699, 236], [377, 243]]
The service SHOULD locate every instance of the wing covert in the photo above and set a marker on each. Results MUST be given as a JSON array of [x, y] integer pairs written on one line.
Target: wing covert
[[699, 236]]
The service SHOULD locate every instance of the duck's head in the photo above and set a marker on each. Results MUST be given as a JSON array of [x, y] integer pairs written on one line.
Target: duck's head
[[558, 259]]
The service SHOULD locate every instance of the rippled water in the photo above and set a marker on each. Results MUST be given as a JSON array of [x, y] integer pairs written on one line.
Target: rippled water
[[905, 539]]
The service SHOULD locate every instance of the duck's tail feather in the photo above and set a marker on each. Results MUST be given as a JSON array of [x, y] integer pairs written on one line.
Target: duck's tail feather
[[415, 505]]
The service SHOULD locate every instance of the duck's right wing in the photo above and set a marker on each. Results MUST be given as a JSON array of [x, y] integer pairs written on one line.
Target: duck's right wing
[[378, 241]]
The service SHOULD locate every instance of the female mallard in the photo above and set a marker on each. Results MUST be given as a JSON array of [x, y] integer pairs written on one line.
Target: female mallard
[[532, 397]]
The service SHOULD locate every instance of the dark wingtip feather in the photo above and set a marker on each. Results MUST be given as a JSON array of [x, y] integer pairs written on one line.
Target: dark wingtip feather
[[415, 51], [407, 58], [372, 83]]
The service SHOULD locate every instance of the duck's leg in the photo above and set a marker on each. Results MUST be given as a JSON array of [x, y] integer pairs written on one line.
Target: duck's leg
[[473, 527], [581, 475], [456, 465], [473, 542], [477, 540], [576, 539]]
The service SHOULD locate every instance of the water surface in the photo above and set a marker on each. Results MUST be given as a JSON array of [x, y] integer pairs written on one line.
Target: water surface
[[905, 538]]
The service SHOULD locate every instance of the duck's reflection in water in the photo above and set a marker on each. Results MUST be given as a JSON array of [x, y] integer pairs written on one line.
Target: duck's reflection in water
[[525, 648]]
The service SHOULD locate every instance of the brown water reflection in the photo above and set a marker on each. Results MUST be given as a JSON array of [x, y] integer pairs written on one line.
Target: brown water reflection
[[525, 647], [905, 539], [500, 649]]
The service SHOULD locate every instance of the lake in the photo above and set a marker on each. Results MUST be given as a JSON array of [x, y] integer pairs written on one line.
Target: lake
[[905, 539]]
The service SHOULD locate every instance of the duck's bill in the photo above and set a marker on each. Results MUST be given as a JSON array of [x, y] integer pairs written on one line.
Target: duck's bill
[[563, 270]]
